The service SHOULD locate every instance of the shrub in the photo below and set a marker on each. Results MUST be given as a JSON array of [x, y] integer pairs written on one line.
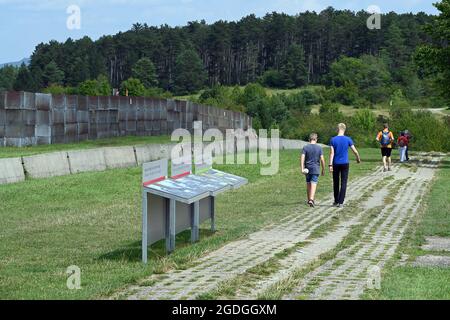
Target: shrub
[[158, 93], [133, 87], [58, 89], [346, 95], [272, 79], [222, 97], [99, 87]]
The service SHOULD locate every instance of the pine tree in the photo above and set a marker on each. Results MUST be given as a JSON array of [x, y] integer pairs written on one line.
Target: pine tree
[[293, 70], [52, 74], [145, 71], [395, 51], [24, 80], [189, 73], [8, 75]]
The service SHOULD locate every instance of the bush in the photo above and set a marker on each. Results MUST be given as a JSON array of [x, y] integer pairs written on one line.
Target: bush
[[272, 79], [133, 87], [58, 89], [99, 87], [429, 133], [222, 97], [158, 93], [252, 92], [347, 95], [329, 108]]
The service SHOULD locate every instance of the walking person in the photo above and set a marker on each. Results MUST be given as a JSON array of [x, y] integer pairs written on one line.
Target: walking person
[[409, 137], [312, 160], [386, 140], [340, 164], [402, 143]]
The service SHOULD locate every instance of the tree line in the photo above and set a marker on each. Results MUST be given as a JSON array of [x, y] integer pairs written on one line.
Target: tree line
[[279, 49]]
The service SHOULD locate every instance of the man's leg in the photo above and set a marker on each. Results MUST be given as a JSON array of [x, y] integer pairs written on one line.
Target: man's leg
[[407, 156], [384, 162], [336, 182], [308, 191], [344, 179], [313, 188]]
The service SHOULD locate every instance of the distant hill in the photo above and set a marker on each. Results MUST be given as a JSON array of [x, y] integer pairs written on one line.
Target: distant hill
[[17, 63]]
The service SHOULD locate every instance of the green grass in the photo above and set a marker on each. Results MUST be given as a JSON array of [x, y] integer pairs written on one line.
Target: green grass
[[269, 91], [93, 220], [350, 111], [407, 282], [12, 152]]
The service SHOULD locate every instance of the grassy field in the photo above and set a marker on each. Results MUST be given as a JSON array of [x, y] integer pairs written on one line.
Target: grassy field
[[406, 282], [269, 91], [350, 111], [93, 220], [11, 152]]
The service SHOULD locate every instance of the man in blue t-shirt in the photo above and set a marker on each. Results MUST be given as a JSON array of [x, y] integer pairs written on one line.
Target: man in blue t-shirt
[[340, 164]]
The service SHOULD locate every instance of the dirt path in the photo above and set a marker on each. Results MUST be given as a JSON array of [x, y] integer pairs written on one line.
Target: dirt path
[[335, 278]]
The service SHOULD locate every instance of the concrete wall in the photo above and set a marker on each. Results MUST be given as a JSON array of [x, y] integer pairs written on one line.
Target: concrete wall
[[11, 170], [37, 118], [72, 162]]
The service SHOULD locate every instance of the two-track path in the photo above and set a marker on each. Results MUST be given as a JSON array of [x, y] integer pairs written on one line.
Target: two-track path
[[343, 277]]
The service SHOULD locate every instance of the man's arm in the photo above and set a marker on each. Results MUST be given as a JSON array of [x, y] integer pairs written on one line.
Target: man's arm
[[302, 163], [322, 162], [331, 159], [355, 151]]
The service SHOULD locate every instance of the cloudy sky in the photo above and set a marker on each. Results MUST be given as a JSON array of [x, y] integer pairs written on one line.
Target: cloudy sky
[[25, 23]]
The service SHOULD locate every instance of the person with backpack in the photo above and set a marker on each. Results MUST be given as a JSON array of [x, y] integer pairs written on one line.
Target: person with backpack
[[386, 140], [340, 164], [312, 160], [402, 143]]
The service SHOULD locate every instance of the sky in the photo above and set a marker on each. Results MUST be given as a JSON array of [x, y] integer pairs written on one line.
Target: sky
[[26, 23]]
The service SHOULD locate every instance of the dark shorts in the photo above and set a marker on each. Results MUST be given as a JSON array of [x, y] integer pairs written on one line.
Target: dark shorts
[[386, 152], [312, 178]]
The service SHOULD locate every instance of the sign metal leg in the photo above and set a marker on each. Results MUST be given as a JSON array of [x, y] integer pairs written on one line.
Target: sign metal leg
[[144, 226], [195, 222], [213, 214], [170, 226]]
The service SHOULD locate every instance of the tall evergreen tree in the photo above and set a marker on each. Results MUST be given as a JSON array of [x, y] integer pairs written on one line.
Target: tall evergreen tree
[[189, 73], [24, 80], [293, 70], [52, 74], [8, 75], [394, 50], [145, 71]]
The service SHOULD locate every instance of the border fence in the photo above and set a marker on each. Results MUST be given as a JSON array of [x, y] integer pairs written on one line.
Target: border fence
[[37, 118]]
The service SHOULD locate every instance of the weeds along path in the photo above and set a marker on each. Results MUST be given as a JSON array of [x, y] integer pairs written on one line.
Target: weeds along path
[[235, 259]]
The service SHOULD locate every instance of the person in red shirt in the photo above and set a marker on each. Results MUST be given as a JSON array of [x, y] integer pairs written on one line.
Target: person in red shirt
[[403, 146], [409, 137]]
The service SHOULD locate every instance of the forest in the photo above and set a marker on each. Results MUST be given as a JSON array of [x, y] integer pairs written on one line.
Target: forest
[[332, 54], [232, 53]]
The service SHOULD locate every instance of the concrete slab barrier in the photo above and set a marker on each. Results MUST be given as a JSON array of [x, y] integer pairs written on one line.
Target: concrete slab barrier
[[292, 144], [121, 157], [47, 165], [152, 152], [86, 161], [11, 170]]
